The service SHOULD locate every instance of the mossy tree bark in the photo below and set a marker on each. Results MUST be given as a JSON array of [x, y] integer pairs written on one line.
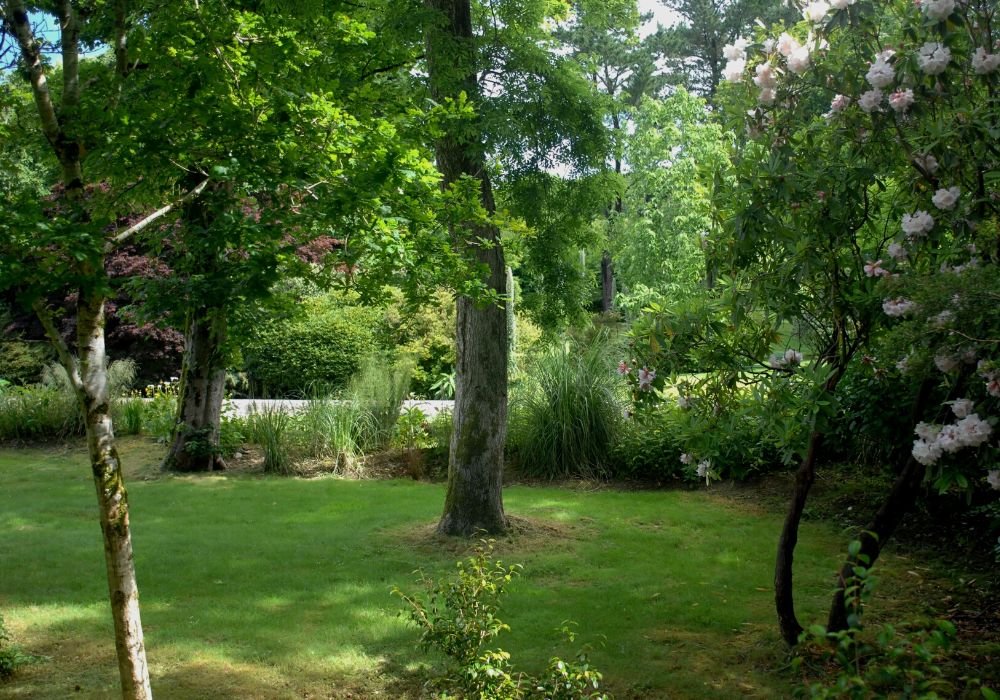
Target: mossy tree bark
[[194, 446], [474, 500], [87, 371]]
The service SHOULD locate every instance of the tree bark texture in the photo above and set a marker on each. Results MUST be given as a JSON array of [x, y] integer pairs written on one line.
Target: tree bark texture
[[474, 500], [890, 514], [607, 283], [194, 446], [784, 601], [88, 371], [112, 499]]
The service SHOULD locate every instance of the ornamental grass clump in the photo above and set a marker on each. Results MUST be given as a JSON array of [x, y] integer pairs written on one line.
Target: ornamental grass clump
[[333, 430], [379, 389], [567, 415], [269, 427]]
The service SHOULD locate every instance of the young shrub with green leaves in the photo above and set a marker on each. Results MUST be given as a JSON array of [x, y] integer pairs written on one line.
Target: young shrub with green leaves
[[889, 664], [12, 656], [460, 618], [567, 413]]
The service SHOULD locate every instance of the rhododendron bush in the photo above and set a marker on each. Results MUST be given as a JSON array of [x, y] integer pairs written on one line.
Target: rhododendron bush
[[869, 135], [863, 223]]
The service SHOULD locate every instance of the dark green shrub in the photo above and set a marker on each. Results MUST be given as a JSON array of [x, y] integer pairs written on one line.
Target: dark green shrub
[[21, 362], [326, 346], [567, 413]]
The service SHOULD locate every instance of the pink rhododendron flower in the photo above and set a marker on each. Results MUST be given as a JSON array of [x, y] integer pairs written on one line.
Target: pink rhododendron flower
[[646, 377], [767, 96], [735, 51], [901, 100], [623, 369], [898, 307], [946, 199], [787, 44], [840, 103], [875, 269], [765, 77], [897, 251]]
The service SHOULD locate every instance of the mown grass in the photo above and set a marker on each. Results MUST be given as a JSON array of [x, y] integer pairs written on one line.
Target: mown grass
[[268, 587]]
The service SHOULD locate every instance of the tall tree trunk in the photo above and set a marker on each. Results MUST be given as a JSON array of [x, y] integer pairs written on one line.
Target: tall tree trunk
[[474, 499], [607, 283], [194, 446], [784, 601]]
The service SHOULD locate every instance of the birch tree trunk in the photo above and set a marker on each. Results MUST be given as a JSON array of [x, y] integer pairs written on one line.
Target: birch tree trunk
[[474, 501], [112, 499], [88, 372], [194, 446]]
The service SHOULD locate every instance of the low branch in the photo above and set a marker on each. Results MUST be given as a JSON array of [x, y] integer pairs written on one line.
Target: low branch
[[159, 213], [62, 349]]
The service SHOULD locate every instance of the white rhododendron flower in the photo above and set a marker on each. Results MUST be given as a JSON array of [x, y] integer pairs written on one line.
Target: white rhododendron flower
[[945, 363], [815, 11], [937, 9], [765, 77], [983, 63], [787, 44], [841, 4], [683, 402], [881, 74], [733, 71], [935, 440], [917, 224], [961, 407], [993, 479], [686, 458], [870, 101], [927, 162], [898, 307], [901, 100], [946, 198], [735, 51], [942, 319], [798, 60], [704, 469], [897, 251], [927, 453], [840, 103], [933, 58]]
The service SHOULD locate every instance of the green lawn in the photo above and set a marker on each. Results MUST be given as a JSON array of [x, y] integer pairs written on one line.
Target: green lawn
[[279, 588]]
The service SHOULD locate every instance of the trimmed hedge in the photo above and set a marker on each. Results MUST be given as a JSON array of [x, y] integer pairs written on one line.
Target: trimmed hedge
[[324, 348]]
